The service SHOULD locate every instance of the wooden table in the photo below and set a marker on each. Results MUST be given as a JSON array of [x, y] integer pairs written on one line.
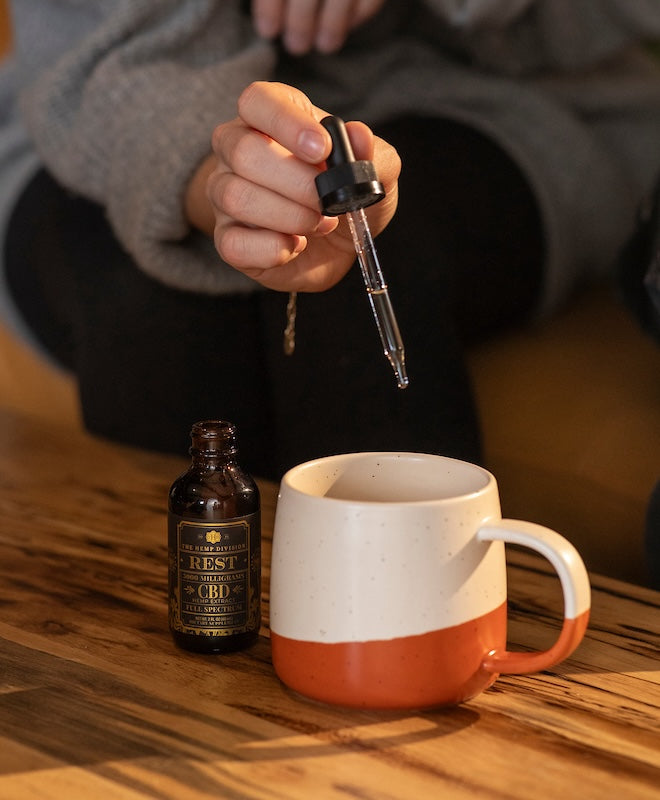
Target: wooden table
[[96, 702]]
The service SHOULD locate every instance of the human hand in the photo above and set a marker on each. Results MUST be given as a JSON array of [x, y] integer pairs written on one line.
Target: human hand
[[308, 24], [267, 219]]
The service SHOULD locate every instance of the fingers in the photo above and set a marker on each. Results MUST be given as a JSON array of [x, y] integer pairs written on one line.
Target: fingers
[[365, 9], [267, 16], [308, 24], [262, 160], [255, 252], [264, 197], [303, 272], [267, 220], [362, 140], [317, 24], [299, 27], [336, 19], [256, 227], [287, 116]]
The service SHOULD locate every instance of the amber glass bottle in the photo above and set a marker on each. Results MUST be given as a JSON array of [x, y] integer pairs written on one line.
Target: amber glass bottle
[[214, 542]]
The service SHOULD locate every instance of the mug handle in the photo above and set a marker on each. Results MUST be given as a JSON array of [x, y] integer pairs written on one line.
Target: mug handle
[[574, 582]]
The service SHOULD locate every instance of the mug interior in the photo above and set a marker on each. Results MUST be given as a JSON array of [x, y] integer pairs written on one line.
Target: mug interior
[[388, 478]]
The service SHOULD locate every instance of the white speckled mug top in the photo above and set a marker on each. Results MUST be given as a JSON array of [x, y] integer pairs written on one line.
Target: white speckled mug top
[[372, 546]]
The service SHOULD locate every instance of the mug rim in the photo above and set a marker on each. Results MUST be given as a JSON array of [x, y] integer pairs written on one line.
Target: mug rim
[[489, 478]]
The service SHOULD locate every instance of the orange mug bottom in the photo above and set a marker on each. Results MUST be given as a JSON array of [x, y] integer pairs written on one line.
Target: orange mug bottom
[[431, 669]]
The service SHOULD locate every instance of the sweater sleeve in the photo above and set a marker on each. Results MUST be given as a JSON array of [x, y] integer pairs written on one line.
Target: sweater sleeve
[[520, 37], [127, 115]]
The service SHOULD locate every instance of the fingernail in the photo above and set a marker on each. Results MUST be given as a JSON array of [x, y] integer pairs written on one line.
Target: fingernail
[[311, 144], [299, 244], [326, 225]]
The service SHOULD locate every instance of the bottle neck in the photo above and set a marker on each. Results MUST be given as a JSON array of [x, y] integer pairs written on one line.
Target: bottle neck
[[213, 443]]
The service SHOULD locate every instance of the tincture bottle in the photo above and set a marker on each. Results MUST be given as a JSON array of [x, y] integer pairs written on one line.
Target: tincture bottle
[[214, 539]]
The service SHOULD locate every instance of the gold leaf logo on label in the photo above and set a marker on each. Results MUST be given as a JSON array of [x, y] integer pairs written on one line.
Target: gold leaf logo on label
[[213, 537]]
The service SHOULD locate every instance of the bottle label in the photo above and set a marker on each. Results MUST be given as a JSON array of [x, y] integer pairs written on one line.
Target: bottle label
[[215, 575]]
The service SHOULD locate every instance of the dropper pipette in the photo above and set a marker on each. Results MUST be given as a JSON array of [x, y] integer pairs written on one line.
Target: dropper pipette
[[347, 187]]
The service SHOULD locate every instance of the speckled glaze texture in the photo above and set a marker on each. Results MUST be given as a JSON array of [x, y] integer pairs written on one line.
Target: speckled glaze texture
[[388, 581]]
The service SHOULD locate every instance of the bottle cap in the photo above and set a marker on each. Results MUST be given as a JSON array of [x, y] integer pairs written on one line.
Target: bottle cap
[[346, 184]]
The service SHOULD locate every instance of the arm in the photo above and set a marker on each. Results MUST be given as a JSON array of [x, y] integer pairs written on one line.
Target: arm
[[125, 117]]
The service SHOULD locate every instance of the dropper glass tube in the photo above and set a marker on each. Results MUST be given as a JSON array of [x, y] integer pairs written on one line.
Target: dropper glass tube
[[378, 295]]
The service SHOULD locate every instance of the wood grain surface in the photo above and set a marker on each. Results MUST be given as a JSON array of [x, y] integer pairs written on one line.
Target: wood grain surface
[[96, 702]]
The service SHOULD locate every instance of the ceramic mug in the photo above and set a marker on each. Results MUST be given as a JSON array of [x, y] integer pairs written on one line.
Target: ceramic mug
[[388, 582]]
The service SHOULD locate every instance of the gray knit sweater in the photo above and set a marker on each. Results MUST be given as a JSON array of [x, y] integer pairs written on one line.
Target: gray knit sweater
[[118, 98]]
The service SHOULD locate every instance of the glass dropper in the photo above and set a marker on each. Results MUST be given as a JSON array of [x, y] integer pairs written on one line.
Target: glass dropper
[[347, 187]]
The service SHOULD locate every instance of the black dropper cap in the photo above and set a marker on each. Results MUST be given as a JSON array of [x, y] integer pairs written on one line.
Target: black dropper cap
[[346, 184]]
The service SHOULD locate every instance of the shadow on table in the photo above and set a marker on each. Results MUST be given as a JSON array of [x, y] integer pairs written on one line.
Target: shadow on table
[[70, 714]]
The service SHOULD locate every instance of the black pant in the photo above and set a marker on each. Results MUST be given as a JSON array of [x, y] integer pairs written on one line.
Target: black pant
[[462, 258]]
